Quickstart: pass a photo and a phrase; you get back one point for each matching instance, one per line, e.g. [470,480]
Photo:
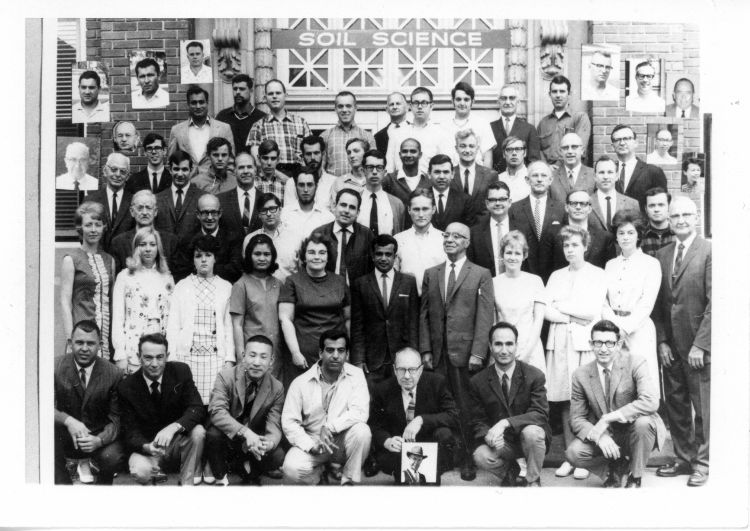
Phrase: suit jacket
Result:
[483,177]
[633,393]
[695,111]
[228,401]
[122,247]
[180,402]
[231,215]
[184,225]
[561,184]
[378,333]
[358,245]
[434,403]
[601,248]
[409,478]
[381,139]
[526,404]
[521,216]
[521,129]
[96,405]
[457,209]
[644,177]
[600,218]
[228,259]
[178,137]
[464,318]
[396,186]
[682,313]
[142,181]
[480,248]
[123,221]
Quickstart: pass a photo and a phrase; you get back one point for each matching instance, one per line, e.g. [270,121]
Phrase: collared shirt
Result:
[406,399]
[389,276]
[87,370]
[110,193]
[215,232]
[654,239]
[198,136]
[504,225]
[322,193]
[509,372]
[301,223]
[158,100]
[437,198]
[411,182]
[150,174]
[149,381]
[337,230]
[519,188]
[433,138]
[459,264]
[687,243]
[462,175]
[576,172]
[678,112]
[629,168]
[287,132]
[542,206]
[552,128]
[482,130]
[651,102]
[67,182]
[602,198]
[336,138]
[184,192]
[305,412]
[385,212]
[655,158]
[100,113]
[204,75]
[418,252]
[600,370]
[270,186]
[210,181]
[241,200]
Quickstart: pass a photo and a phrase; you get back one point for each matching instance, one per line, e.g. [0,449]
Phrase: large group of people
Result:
[264,300]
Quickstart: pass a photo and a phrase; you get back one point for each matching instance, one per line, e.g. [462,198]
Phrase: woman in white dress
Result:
[141,298]
[633,280]
[575,296]
[519,299]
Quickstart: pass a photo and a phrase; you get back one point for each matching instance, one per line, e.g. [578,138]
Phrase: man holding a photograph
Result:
[90,109]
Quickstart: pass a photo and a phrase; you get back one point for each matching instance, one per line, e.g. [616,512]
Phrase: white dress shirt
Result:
[459,264]
[385,212]
[418,252]
[198,136]
[241,199]
[87,370]
[509,372]
[110,195]
[600,370]
[158,100]
[184,193]
[517,184]
[301,223]
[322,193]
[405,398]
[687,243]
[629,167]
[482,130]
[472,174]
[433,138]
[504,226]
[542,206]
[602,198]
[204,75]
[389,276]
[149,381]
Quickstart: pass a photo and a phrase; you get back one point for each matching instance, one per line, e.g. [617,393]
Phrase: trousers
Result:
[183,453]
[530,444]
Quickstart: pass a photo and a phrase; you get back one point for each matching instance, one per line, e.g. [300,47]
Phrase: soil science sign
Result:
[439,38]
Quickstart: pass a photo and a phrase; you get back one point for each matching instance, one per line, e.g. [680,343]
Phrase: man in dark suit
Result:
[571,174]
[605,200]
[385,312]
[469,177]
[155,176]
[345,232]
[682,316]
[509,412]
[396,106]
[635,177]
[613,414]
[114,197]
[536,214]
[457,310]
[177,204]
[245,411]
[239,206]
[683,106]
[452,206]
[510,124]
[412,406]
[408,178]
[87,414]
[484,249]
[162,415]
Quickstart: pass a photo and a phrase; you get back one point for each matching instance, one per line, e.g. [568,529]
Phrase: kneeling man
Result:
[613,411]
[325,416]
[509,412]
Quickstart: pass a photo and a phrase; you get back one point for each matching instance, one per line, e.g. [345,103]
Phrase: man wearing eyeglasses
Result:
[660,155]
[644,99]
[510,124]
[455,318]
[571,174]
[613,411]
[634,177]
[514,152]
[155,176]
[682,316]
[114,198]
[240,204]
[484,249]
[77,163]
[598,86]
[381,212]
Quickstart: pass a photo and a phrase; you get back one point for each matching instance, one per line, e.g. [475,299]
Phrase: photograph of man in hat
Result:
[412,476]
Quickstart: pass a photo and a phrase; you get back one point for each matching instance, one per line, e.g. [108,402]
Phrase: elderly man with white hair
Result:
[114,197]
[77,164]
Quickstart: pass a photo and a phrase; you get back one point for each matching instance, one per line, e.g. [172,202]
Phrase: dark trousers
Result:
[107,459]
[225,454]
[390,462]
[687,389]
[458,381]
[380,374]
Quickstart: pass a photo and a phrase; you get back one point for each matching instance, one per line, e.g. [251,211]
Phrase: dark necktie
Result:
[114,210]
[441,205]
[678,260]
[466,182]
[504,387]
[83,377]
[451,281]
[250,392]
[609,212]
[342,256]
[155,394]
[683,113]
[620,186]
[178,205]
[246,213]
[77,189]
[410,408]
[374,214]
[606,388]
[385,291]
[155,184]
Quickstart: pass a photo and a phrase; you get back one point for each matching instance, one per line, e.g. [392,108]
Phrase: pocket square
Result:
[555,223]
[403,295]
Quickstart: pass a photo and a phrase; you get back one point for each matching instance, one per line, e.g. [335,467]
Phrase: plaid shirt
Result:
[654,239]
[337,163]
[287,132]
[272,186]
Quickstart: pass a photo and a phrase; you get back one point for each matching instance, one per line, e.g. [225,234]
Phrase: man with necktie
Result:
[484,249]
[634,177]
[155,176]
[605,200]
[469,176]
[510,124]
[381,212]
[115,198]
[240,204]
[571,174]
[452,205]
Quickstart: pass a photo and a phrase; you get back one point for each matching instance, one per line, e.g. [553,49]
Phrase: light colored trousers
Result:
[532,447]
[185,450]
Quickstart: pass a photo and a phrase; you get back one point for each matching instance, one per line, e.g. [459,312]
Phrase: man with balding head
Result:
[571,174]
[114,197]
[77,164]
[683,97]
[396,107]
[510,124]
[455,318]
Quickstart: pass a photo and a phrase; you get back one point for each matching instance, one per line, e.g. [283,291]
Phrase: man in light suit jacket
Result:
[87,413]
[571,174]
[606,176]
[457,310]
[381,324]
[613,414]
[469,177]
[510,124]
[682,316]
[245,412]
[179,135]
[116,173]
[183,221]
[634,177]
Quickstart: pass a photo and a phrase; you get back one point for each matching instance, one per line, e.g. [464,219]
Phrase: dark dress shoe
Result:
[673,469]
[697,479]
[468,472]
[371,467]
[511,476]
[275,474]
[633,483]
[536,483]
[614,478]
[335,473]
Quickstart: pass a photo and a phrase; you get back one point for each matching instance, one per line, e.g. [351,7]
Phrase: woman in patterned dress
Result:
[87,276]
[141,297]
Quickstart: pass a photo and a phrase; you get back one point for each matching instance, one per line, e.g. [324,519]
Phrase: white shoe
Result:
[565,470]
[84,471]
[197,480]
[522,464]
[223,482]
[580,473]
[208,475]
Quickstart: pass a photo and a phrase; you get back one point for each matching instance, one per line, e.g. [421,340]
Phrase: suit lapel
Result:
[394,288]
[617,373]
[74,379]
[689,255]
[260,396]
[240,384]
[515,384]
[494,383]
[441,280]
[122,209]
[461,277]
[372,281]
[640,169]
[530,216]
[597,211]
[596,387]
[93,381]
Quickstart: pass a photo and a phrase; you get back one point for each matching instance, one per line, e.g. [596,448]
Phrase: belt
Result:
[621,313]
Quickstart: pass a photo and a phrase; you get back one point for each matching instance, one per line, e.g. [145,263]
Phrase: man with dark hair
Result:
[462,97]
[215,173]
[385,312]
[89,109]
[335,138]
[155,176]
[245,410]
[452,205]
[510,124]
[469,176]
[606,201]
[240,204]
[613,414]
[509,412]
[325,416]
[658,234]
[408,178]
[683,98]
[114,197]
[284,128]
[177,204]
[242,115]
[196,70]
[484,249]
[396,107]
[642,97]
[193,134]
[306,212]
[381,212]
[313,147]
[660,155]
[561,121]
[162,415]
[268,179]
[634,176]
[516,173]
[87,413]
[149,95]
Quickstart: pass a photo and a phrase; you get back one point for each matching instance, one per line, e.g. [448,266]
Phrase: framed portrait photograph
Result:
[644,86]
[76,164]
[90,92]
[661,144]
[682,95]
[148,79]
[195,62]
[600,72]
[419,462]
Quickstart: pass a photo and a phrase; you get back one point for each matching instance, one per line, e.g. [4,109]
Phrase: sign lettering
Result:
[439,38]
